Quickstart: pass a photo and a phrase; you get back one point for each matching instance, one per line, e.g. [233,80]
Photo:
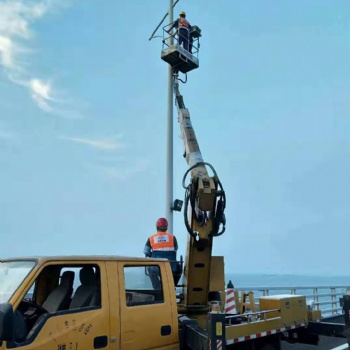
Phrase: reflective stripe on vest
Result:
[183,23]
[162,241]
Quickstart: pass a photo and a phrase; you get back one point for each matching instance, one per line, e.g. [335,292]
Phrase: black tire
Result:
[267,347]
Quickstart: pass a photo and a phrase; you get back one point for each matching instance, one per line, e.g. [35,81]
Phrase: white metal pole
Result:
[169,166]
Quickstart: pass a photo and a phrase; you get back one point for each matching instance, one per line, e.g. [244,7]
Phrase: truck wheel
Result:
[272,342]
[267,347]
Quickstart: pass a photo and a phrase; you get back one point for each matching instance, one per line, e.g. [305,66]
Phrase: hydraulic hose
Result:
[186,201]
[196,166]
[218,211]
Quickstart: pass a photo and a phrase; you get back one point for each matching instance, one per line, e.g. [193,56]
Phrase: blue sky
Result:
[83,101]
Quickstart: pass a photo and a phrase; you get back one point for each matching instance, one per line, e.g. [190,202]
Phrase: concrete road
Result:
[326,343]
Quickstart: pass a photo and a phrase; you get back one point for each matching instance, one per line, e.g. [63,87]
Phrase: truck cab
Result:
[71,303]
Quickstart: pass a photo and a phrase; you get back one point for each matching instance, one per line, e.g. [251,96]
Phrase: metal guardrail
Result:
[175,36]
[250,315]
[324,298]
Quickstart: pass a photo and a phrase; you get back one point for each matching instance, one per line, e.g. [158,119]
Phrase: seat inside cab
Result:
[57,289]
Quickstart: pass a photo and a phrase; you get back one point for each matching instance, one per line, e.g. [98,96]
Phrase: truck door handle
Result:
[100,342]
[165,330]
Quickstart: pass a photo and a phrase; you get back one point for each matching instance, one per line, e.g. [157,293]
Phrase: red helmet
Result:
[162,222]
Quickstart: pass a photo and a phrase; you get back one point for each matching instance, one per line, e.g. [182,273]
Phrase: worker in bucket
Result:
[161,245]
[184,28]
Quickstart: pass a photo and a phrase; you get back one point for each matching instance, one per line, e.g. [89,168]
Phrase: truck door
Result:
[148,311]
[69,309]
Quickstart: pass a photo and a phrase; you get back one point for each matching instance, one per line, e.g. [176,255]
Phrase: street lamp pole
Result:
[170,136]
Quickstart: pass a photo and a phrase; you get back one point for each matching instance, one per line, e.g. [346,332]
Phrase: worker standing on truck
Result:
[160,245]
[184,28]
[160,241]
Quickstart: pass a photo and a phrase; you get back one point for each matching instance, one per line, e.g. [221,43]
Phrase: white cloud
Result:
[6,51]
[125,172]
[16,17]
[105,144]
[41,93]
[112,164]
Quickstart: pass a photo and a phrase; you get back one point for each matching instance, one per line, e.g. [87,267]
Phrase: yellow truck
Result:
[64,303]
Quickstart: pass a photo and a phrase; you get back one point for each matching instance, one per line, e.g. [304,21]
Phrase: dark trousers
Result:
[191,44]
[184,39]
[154,277]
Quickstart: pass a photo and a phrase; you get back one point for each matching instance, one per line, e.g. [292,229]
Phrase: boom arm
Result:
[203,210]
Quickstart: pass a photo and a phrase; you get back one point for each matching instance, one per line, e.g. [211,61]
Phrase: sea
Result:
[321,292]
[285,280]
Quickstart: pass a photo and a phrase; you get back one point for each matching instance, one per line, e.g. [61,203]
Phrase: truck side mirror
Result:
[6,322]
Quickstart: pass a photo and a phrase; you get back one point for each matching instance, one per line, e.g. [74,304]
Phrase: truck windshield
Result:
[12,274]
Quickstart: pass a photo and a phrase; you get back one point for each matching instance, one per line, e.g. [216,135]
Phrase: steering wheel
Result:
[26,305]
[27,314]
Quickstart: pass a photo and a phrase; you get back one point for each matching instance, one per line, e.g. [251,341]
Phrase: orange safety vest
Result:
[183,23]
[162,241]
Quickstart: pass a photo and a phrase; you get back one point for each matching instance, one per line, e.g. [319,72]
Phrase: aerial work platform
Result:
[179,56]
